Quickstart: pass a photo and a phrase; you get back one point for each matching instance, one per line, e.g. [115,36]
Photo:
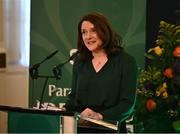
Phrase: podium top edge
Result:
[36,111]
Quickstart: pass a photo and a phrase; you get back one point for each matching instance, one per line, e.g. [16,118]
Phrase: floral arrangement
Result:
[158,104]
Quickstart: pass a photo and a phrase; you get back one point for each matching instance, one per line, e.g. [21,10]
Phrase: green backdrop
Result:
[54,27]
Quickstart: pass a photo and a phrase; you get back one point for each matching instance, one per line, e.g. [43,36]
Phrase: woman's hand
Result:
[91,114]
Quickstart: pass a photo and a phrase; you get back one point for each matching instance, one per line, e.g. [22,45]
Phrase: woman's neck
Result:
[99,54]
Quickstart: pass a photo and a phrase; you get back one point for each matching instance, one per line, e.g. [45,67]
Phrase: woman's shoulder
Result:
[124,56]
[125,59]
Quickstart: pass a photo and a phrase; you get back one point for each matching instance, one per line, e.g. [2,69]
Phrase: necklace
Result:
[99,63]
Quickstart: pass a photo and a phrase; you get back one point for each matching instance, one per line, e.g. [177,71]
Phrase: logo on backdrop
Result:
[54,91]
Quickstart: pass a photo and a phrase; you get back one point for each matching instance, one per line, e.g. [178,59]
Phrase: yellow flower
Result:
[164,85]
[158,50]
[158,93]
[165,95]
[163,88]
[151,49]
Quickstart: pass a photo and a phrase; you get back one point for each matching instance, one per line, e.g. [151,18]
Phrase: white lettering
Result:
[45,105]
[61,105]
[67,91]
[52,88]
[59,92]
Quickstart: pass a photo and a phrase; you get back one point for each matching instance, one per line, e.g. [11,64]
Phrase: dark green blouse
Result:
[111,91]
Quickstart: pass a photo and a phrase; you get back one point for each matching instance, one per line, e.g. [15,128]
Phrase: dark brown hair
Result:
[112,42]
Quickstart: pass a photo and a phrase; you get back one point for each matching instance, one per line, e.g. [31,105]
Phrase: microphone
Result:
[73,55]
[57,68]
[34,69]
[51,55]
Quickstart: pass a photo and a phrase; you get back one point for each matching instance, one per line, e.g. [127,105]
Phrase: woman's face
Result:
[90,36]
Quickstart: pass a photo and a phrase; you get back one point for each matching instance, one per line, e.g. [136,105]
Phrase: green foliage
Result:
[158,103]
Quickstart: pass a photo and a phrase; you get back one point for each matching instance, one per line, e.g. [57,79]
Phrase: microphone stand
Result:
[34,69]
[57,69]
[44,86]
[35,74]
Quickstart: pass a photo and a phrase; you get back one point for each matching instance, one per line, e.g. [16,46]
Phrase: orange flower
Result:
[150,105]
[168,72]
[176,52]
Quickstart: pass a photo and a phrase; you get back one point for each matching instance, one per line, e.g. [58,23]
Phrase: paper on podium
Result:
[54,108]
[100,122]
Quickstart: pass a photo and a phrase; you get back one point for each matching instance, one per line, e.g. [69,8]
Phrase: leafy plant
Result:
[158,105]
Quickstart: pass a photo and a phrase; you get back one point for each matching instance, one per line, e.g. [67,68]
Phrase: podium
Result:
[28,120]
